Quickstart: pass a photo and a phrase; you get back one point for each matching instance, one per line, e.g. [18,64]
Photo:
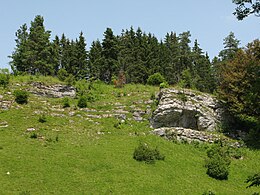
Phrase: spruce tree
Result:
[95,59]
[39,48]
[81,66]
[230,47]
[19,57]
[110,54]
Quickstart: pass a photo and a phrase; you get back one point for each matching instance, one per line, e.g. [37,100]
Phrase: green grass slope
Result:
[78,152]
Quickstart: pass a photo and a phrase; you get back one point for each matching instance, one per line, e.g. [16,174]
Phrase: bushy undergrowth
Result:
[147,154]
[155,79]
[82,102]
[21,97]
[4,77]
[218,162]
[65,102]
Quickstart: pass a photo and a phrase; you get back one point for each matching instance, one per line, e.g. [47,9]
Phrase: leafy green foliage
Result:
[4,77]
[145,153]
[254,180]
[239,86]
[218,162]
[246,7]
[21,97]
[65,102]
[62,74]
[155,79]
[82,102]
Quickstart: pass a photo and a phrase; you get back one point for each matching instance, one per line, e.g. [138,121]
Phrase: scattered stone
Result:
[137,117]
[189,135]
[71,113]
[57,115]
[5,104]
[93,116]
[3,124]
[1,97]
[31,129]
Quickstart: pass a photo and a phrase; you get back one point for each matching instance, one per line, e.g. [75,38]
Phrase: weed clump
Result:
[4,77]
[147,154]
[34,136]
[66,102]
[42,119]
[21,97]
[82,103]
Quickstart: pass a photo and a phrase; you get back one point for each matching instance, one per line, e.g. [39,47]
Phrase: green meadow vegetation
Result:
[51,146]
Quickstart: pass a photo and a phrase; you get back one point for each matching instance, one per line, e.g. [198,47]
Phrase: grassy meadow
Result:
[90,150]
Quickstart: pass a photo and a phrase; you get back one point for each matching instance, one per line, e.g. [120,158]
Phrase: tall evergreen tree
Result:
[19,56]
[81,66]
[171,68]
[185,52]
[110,54]
[39,48]
[95,59]
[230,47]
[56,55]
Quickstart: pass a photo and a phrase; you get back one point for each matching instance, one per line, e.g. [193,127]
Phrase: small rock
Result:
[30,129]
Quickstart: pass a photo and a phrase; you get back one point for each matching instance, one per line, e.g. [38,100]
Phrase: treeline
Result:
[137,54]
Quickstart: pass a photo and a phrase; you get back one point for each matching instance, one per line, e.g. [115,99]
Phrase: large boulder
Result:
[187,109]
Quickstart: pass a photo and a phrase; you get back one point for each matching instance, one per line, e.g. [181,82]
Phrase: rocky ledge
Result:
[54,91]
[189,135]
[187,109]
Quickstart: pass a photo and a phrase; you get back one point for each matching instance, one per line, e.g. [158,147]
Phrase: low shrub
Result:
[218,162]
[4,77]
[66,102]
[164,85]
[254,180]
[21,97]
[42,119]
[82,103]
[144,153]
[218,167]
[34,136]
[155,79]
[62,74]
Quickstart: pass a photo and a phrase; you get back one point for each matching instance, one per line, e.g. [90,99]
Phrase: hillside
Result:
[90,150]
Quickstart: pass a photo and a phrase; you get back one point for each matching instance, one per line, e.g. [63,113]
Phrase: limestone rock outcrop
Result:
[187,109]
[54,91]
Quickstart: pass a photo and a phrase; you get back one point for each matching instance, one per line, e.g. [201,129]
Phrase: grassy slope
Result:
[91,158]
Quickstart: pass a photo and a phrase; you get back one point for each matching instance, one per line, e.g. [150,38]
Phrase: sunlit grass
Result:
[76,154]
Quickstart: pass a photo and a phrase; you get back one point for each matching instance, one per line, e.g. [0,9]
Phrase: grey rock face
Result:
[55,91]
[184,108]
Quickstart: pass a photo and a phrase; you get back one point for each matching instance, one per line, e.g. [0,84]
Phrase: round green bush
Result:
[155,79]
[66,102]
[21,97]
[82,103]
[144,153]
